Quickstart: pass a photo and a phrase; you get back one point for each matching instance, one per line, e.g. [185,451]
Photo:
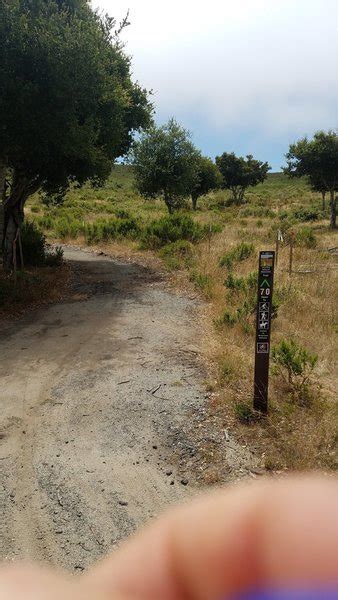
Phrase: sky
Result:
[244,76]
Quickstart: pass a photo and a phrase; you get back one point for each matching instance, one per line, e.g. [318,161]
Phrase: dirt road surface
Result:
[96,394]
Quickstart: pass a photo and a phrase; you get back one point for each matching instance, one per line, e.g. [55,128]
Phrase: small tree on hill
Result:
[165,162]
[208,178]
[239,173]
[318,160]
[68,106]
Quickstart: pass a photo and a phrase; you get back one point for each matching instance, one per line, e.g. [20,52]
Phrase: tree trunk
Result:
[169,203]
[323,201]
[194,201]
[332,210]
[2,198]
[21,189]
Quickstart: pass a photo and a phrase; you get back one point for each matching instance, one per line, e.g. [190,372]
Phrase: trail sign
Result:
[263,326]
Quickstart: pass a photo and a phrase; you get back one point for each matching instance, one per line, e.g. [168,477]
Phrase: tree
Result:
[165,162]
[318,186]
[208,178]
[317,159]
[68,106]
[239,173]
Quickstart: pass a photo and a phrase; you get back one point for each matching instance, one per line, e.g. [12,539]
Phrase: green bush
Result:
[245,413]
[227,318]
[235,283]
[306,213]
[203,282]
[33,245]
[306,238]
[171,229]
[177,252]
[36,252]
[121,213]
[240,252]
[295,364]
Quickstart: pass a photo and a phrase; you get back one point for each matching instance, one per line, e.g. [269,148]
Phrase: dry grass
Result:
[292,437]
[35,287]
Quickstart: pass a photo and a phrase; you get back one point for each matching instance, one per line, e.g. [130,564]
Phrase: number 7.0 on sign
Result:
[263,324]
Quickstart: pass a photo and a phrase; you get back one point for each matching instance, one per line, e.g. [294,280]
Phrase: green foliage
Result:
[318,160]
[208,178]
[36,252]
[78,105]
[176,253]
[295,364]
[171,229]
[235,283]
[307,213]
[227,318]
[33,245]
[203,282]
[245,413]
[241,252]
[110,229]
[305,237]
[165,162]
[239,173]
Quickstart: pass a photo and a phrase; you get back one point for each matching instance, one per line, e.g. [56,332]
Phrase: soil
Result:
[104,416]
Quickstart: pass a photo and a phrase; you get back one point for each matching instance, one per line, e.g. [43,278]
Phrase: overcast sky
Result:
[248,76]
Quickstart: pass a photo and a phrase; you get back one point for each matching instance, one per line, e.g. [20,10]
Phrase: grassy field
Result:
[299,432]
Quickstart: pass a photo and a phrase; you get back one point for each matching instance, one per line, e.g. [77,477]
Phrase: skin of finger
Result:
[271,533]
[28,582]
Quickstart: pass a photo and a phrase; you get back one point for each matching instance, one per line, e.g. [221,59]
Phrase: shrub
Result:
[128,227]
[171,229]
[203,282]
[121,213]
[306,238]
[33,245]
[227,318]
[295,364]
[241,252]
[305,213]
[245,413]
[235,283]
[176,252]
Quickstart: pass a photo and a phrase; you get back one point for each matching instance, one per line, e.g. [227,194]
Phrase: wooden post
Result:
[263,326]
[277,247]
[292,241]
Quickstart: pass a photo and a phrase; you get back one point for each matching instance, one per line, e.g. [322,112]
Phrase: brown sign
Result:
[263,326]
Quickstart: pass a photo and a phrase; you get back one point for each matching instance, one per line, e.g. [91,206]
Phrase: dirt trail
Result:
[93,392]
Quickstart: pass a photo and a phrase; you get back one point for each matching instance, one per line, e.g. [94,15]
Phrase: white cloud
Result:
[268,65]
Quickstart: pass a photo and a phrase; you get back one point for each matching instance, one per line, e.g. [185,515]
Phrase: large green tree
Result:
[318,160]
[165,162]
[68,106]
[208,178]
[239,173]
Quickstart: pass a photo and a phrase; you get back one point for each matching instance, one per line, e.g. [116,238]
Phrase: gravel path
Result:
[94,392]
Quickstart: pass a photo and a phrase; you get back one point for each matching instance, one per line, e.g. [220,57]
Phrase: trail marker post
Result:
[263,326]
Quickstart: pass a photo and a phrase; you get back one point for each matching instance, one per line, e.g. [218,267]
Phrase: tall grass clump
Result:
[170,229]
[240,252]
